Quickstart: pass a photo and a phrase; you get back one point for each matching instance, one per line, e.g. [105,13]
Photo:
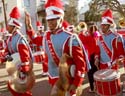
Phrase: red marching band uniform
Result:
[17,43]
[39,54]
[89,40]
[57,44]
[110,44]
[111,53]
[77,60]
[2,47]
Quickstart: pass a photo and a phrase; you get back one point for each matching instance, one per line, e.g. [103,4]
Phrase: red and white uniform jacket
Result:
[18,43]
[2,51]
[111,48]
[57,44]
[90,43]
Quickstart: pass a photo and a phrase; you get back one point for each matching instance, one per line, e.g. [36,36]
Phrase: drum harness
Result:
[109,52]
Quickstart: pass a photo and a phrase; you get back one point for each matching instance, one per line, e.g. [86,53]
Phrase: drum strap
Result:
[107,50]
[51,48]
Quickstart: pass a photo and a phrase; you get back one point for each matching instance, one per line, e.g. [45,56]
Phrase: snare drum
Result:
[107,82]
[38,56]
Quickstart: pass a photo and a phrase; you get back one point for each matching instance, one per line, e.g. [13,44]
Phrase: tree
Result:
[97,6]
[114,5]
[71,12]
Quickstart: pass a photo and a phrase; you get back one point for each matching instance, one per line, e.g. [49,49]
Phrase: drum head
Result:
[12,66]
[106,75]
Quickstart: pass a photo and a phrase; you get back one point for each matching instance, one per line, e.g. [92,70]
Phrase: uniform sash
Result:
[107,50]
[11,48]
[51,48]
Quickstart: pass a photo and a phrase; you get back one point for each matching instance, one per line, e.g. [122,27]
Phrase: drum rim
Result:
[97,78]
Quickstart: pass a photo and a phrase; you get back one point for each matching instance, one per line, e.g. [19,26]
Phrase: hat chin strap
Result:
[107,31]
[59,25]
[14,29]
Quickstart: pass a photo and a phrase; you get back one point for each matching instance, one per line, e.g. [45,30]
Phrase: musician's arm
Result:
[34,38]
[30,31]
[119,52]
[5,56]
[25,56]
[79,61]
[97,56]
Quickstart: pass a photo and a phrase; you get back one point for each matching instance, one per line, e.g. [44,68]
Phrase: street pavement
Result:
[42,87]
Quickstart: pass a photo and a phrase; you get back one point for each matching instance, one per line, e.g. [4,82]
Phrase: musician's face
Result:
[105,28]
[53,24]
[10,29]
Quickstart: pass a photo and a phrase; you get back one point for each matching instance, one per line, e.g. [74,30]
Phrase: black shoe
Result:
[44,74]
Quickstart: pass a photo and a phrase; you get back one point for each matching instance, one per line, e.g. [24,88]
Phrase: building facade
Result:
[34,7]
[28,5]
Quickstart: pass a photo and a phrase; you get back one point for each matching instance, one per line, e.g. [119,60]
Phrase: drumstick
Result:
[97,63]
[117,61]
[121,60]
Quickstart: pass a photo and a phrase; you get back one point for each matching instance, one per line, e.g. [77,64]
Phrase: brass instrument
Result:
[122,22]
[62,84]
[66,71]
[80,27]
[16,83]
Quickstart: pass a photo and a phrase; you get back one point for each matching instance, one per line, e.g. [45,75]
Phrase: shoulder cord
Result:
[43,42]
[81,45]
[26,44]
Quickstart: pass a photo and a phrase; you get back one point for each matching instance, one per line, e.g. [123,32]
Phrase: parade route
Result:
[62,48]
[41,87]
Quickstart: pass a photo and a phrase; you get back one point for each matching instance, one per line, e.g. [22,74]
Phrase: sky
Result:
[84,2]
[83,5]
[122,1]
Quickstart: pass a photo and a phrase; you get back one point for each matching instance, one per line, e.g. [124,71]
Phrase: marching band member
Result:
[44,59]
[56,41]
[110,44]
[88,39]
[67,26]
[18,43]
[2,46]
[40,28]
